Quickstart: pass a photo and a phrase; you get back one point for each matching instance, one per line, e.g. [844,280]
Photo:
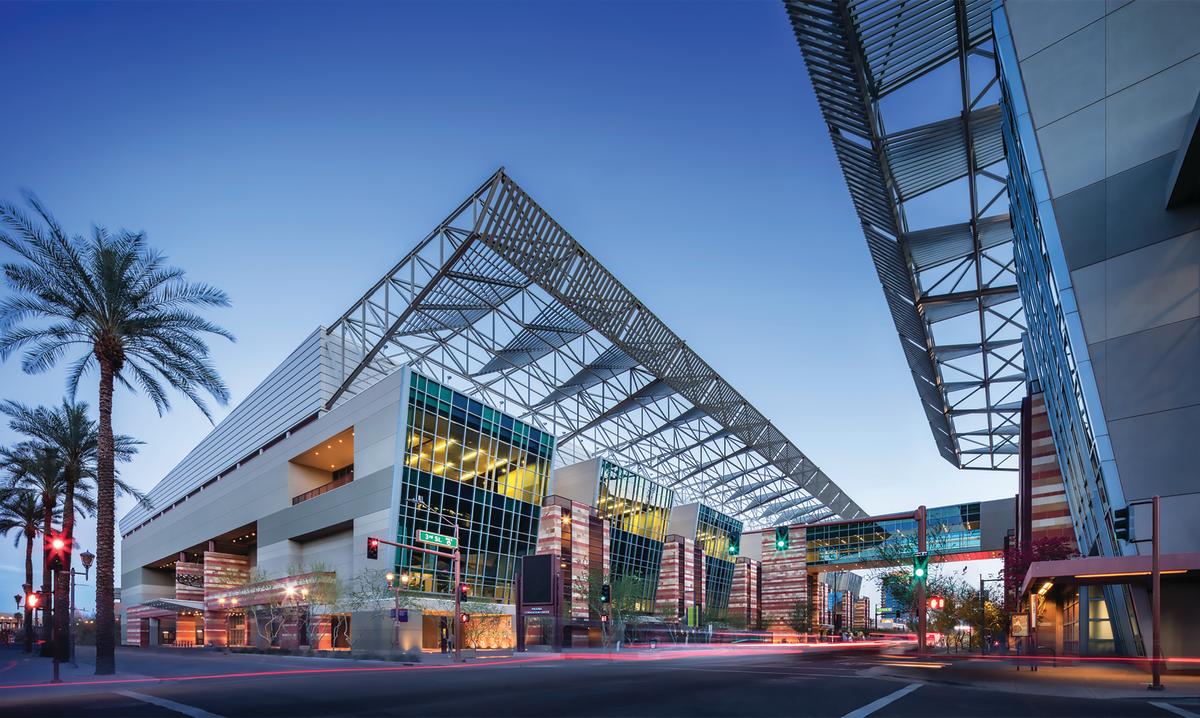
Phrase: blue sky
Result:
[291,153]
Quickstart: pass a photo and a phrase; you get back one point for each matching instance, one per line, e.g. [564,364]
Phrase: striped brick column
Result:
[572,531]
[784,578]
[743,596]
[189,581]
[1051,516]
[677,583]
[221,571]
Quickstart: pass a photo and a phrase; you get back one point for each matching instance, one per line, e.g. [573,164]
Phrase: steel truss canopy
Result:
[951,288]
[501,303]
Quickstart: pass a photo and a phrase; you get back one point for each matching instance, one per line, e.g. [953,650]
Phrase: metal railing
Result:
[323,488]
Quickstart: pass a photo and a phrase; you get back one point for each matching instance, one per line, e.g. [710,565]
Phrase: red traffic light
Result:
[464,617]
[937,602]
[372,547]
[57,543]
[464,589]
[32,600]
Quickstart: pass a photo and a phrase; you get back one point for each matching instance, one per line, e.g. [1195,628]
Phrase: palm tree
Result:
[74,438]
[21,511]
[132,316]
[38,468]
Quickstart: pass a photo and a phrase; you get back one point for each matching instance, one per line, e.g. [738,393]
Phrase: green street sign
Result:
[437,539]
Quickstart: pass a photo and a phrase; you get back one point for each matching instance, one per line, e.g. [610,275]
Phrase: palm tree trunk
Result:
[106,658]
[47,530]
[29,581]
[62,587]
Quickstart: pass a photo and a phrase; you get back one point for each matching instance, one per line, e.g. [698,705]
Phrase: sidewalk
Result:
[1085,680]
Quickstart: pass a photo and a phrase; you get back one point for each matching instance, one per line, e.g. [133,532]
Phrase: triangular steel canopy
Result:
[951,289]
[501,303]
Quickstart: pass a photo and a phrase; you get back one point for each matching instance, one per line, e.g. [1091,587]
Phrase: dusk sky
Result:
[291,153]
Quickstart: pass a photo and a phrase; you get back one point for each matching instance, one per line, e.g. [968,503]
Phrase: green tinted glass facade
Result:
[481,468]
[716,534]
[948,529]
[639,512]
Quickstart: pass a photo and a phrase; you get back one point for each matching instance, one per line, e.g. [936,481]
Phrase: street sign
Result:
[537,610]
[400,615]
[437,539]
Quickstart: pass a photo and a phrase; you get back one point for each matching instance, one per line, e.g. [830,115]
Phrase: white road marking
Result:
[190,711]
[1174,709]
[728,670]
[875,705]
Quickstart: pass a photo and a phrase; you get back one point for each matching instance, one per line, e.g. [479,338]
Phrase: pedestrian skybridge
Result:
[963,532]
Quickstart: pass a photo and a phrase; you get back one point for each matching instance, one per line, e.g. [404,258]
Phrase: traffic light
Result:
[781,538]
[605,593]
[733,546]
[33,599]
[464,617]
[1123,524]
[937,603]
[58,552]
[921,567]
[464,590]
[372,547]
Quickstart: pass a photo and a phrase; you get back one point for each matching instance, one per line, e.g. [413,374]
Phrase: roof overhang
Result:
[1105,570]
[164,607]
[950,288]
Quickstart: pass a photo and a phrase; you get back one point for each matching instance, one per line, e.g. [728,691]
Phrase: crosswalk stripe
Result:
[190,711]
[875,705]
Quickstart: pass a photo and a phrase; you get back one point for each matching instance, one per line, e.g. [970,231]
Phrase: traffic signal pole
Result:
[1156,598]
[454,559]
[921,607]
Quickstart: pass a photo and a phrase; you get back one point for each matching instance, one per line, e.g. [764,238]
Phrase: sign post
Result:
[454,557]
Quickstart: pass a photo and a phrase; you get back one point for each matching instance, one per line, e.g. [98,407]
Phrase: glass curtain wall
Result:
[718,535]
[476,467]
[639,512]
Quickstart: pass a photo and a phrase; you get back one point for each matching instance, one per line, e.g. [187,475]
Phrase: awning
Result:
[164,607]
[1100,570]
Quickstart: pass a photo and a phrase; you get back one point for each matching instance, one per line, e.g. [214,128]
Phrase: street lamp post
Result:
[983,613]
[25,623]
[86,559]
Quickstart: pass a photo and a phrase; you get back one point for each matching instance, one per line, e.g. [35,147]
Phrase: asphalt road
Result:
[739,685]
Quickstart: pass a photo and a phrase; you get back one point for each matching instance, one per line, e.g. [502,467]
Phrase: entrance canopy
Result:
[1104,570]
[160,607]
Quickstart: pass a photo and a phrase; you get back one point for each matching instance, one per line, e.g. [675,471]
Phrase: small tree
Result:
[799,617]
[483,630]
[269,613]
[1016,563]
[366,592]
[627,602]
